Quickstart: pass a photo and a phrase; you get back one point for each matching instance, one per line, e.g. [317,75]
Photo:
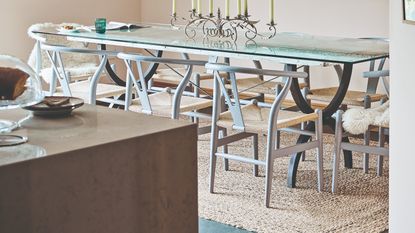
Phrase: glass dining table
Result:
[290,48]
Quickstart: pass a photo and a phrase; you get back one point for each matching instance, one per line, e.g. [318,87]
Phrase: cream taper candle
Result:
[193,4]
[199,7]
[227,8]
[210,7]
[239,7]
[173,10]
[271,11]
[246,7]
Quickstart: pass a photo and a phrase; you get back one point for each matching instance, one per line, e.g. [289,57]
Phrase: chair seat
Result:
[81,90]
[258,86]
[81,72]
[171,77]
[162,103]
[256,118]
[355,98]
[357,120]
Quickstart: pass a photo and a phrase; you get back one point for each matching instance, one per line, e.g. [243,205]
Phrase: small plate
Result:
[46,108]
[75,28]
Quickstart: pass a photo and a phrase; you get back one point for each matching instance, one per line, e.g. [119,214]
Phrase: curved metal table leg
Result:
[327,113]
[148,74]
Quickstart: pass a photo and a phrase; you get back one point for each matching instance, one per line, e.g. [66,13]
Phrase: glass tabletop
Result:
[284,45]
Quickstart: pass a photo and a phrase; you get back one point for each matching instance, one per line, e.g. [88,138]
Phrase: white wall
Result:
[351,18]
[17,15]
[402,162]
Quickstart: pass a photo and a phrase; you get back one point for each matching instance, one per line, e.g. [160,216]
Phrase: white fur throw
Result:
[357,121]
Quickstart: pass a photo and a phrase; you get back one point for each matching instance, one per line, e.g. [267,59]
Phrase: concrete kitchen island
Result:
[100,170]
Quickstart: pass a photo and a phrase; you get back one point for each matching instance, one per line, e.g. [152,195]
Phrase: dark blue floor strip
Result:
[208,226]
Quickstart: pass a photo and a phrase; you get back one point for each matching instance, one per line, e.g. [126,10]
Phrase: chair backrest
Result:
[55,54]
[382,74]
[372,83]
[70,60]
[232,98]
[140,84]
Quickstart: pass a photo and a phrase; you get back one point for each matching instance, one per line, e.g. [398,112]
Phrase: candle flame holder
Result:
[223,27]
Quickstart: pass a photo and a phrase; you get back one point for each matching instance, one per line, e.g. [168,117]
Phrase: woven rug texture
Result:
[361,204]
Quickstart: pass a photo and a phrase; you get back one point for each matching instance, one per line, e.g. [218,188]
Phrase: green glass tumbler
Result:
[100,25]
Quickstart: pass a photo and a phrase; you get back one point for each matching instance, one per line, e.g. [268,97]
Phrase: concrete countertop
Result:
[88,126]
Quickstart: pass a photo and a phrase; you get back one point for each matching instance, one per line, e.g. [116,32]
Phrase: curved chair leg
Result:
[214,135]
[319,136]
[223,132]
[213,150]
[367,104]
[268,178]
[269,167]
[255,152]
[337,150]
[379,171]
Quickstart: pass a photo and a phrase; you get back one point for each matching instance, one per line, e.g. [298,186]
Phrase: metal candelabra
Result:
[223,27]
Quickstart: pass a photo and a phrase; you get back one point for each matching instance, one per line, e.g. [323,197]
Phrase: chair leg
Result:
[337,150]
[213,149]
[223,132]
[195,120]
[214,135]
[268,178]
[277,139]
[379,171]
[366,155]
[304,152]
[255,152]
[319,135]
[305,92]
[269,167]
[367,104]
[196,94]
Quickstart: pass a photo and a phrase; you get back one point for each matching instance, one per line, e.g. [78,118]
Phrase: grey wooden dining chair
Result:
[90,90]
[172,76]
[169,102]
[354,98]
[172,101]
[354,122]
[251,120]
[78,66]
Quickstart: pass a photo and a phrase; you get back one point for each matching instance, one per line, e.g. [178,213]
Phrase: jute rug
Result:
[360,206]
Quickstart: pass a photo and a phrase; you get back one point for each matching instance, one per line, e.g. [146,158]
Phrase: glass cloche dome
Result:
[20,86]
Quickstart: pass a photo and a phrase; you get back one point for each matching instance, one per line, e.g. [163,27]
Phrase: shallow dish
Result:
[48,108]
[68,28]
